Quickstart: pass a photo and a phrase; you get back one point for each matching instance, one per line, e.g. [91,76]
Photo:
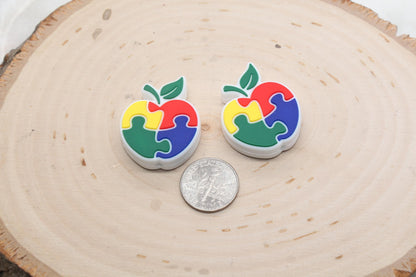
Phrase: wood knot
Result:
[205,127]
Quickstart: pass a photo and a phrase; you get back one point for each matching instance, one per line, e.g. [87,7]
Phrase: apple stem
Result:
[153,92]
[236,89]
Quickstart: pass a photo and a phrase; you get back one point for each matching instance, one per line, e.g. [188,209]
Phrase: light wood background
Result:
[340,203]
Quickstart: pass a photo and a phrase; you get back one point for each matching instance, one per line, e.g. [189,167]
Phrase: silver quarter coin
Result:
[209,184]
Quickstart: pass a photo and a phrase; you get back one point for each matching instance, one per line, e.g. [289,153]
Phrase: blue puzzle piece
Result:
[286,112]
[180,137]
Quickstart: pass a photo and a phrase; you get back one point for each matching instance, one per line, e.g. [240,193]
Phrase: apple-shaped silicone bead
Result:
[162,131]
[259,119]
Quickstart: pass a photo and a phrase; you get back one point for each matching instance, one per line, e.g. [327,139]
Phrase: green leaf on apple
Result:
[172,90]
[153,92]
[250,78]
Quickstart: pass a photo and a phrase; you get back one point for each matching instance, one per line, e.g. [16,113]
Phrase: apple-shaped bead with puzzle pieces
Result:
[163,130]
[259,119]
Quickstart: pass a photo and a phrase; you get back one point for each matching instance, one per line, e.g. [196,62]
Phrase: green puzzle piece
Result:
[257,134]
[142,140]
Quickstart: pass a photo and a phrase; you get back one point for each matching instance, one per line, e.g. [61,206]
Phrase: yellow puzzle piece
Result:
[140,108]
[233,109]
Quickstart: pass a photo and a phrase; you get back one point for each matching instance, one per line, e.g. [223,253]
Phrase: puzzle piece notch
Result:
[180,136]
[286,112]
[172,109]
[140,108]
[257,133]
[142,140]
[233,109]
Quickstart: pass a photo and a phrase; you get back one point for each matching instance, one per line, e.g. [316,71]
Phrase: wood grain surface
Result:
[340,203]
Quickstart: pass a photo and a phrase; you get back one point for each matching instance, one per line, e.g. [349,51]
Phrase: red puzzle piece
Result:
[172,109]
[262,94]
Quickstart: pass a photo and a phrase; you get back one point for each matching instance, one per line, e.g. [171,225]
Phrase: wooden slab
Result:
[340,203]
